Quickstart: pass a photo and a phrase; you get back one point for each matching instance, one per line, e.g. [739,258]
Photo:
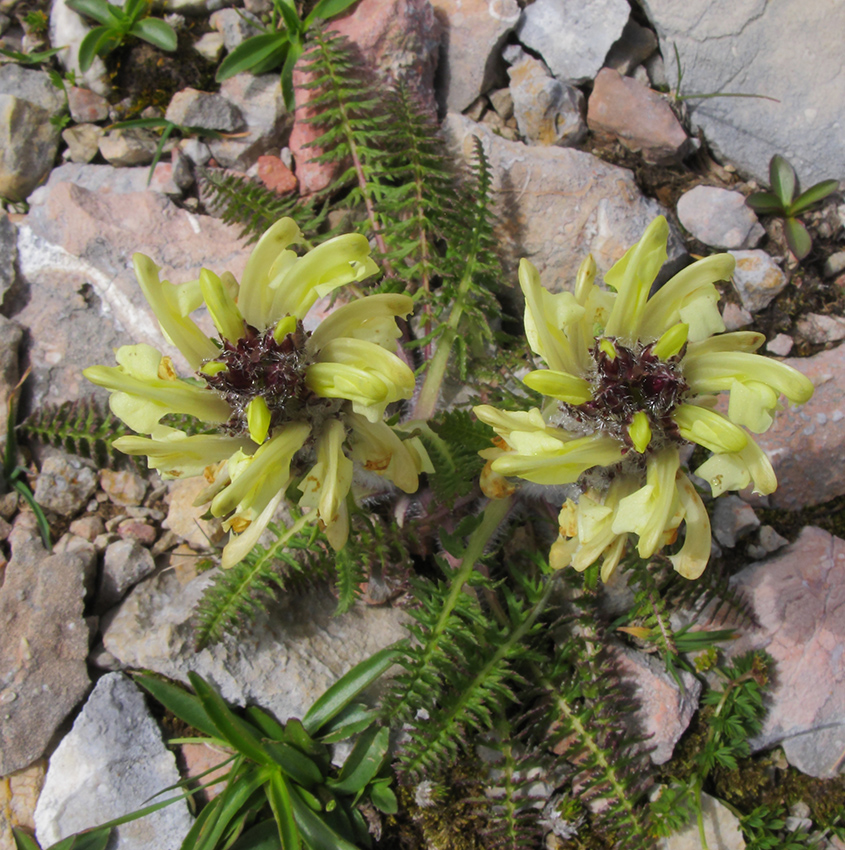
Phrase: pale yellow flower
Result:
[285,405]
[631,380]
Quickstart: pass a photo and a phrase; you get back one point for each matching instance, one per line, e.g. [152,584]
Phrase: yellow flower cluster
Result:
[631,380]
[285,404]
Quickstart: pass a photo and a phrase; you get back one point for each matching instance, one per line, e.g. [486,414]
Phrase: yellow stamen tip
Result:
[213,367]
[258,419]
[640,431]
[672,341]
[286,325]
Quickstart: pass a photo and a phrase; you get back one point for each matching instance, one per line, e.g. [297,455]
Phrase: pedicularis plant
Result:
[387,447]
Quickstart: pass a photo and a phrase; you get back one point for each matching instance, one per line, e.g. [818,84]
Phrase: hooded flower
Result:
[630,380]
[282,404]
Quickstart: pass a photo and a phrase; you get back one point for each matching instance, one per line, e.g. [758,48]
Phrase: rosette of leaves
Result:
[787,201]
[280,45]
[116,25]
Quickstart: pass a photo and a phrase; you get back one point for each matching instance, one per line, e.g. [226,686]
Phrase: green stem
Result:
[699,815]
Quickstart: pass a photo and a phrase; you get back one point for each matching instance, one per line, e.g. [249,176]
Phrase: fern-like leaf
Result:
[82,428]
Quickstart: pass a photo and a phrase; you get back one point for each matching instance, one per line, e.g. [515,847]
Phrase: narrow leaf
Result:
[353,720]
[813,195]
[24,841]
[264,836]
[383,797]
[249,53]
[267,724]
[96,9]
[345,689]
[764,203]
[797,238]
[327,9]
[317,834]
[97,41]
[782,176]
[157,32]
[364,762]
[184,705]
[278,794]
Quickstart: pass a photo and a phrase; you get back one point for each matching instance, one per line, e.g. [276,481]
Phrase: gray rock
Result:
[819,328]
[73,544]
[798,598]
[573,37]
[721,829]
[733,519]
[292,655]
[111,763]
[640,118]
[744,47]
[32,86]
[475,31]
[129,146]
[834,264]
[125,563]
[633,47]
[556,205]
[11,336]
[780,345]
[8,254]
[235,25]
[547,112]
[83,141]
[502,101]
[663,709]
[719,218]
[192,108]
[757,278]
[770,540]
[43,675]
[123,487]
[65,483]
[267,122]
[28,146]
[103,179]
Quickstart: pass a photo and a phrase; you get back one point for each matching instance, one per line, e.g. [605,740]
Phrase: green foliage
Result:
[453,442]
[116,25]
[281,45]
[253,207]
[782,201]
[36,21]
[37,57]
[81,428]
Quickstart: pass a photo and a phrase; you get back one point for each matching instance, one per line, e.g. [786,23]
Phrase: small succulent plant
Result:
[782,201]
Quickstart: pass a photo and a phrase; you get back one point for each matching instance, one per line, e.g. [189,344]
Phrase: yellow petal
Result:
[379,449]
[560,385]
[179,329]
[258,419]
[224,311]
[692,558]
[372,318]
[640,431]
[709,429]
[672,341]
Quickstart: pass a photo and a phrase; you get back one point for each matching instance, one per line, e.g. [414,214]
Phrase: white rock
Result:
[719,218]
[735,317]
[289,657]
[744,47]
[819,328]
[757,278]
[108,765]
[573,37]
[780,345]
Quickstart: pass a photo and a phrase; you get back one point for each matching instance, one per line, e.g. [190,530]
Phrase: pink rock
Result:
[640,118]
[663,711]
[735,316]
[136,529]
[803,440]
[399,40]
[198,758]
[819,328]
[780,345]
[87,527]
[85,106]
[798,598]
[275,175]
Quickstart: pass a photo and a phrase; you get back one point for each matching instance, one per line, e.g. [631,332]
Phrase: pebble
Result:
[733,519]
[133,529]
[735,317]
[123,486]
[83,141]
[24,166]
[819,328]
[235,25]
[721,830]
[193,108]
[780,345]
[275,175]
[719,218]
[210,46]
[86,107]
[547,111]
[757,279]
[638,117]
[87,527]
[126,562]
[65,483]
[127,147]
